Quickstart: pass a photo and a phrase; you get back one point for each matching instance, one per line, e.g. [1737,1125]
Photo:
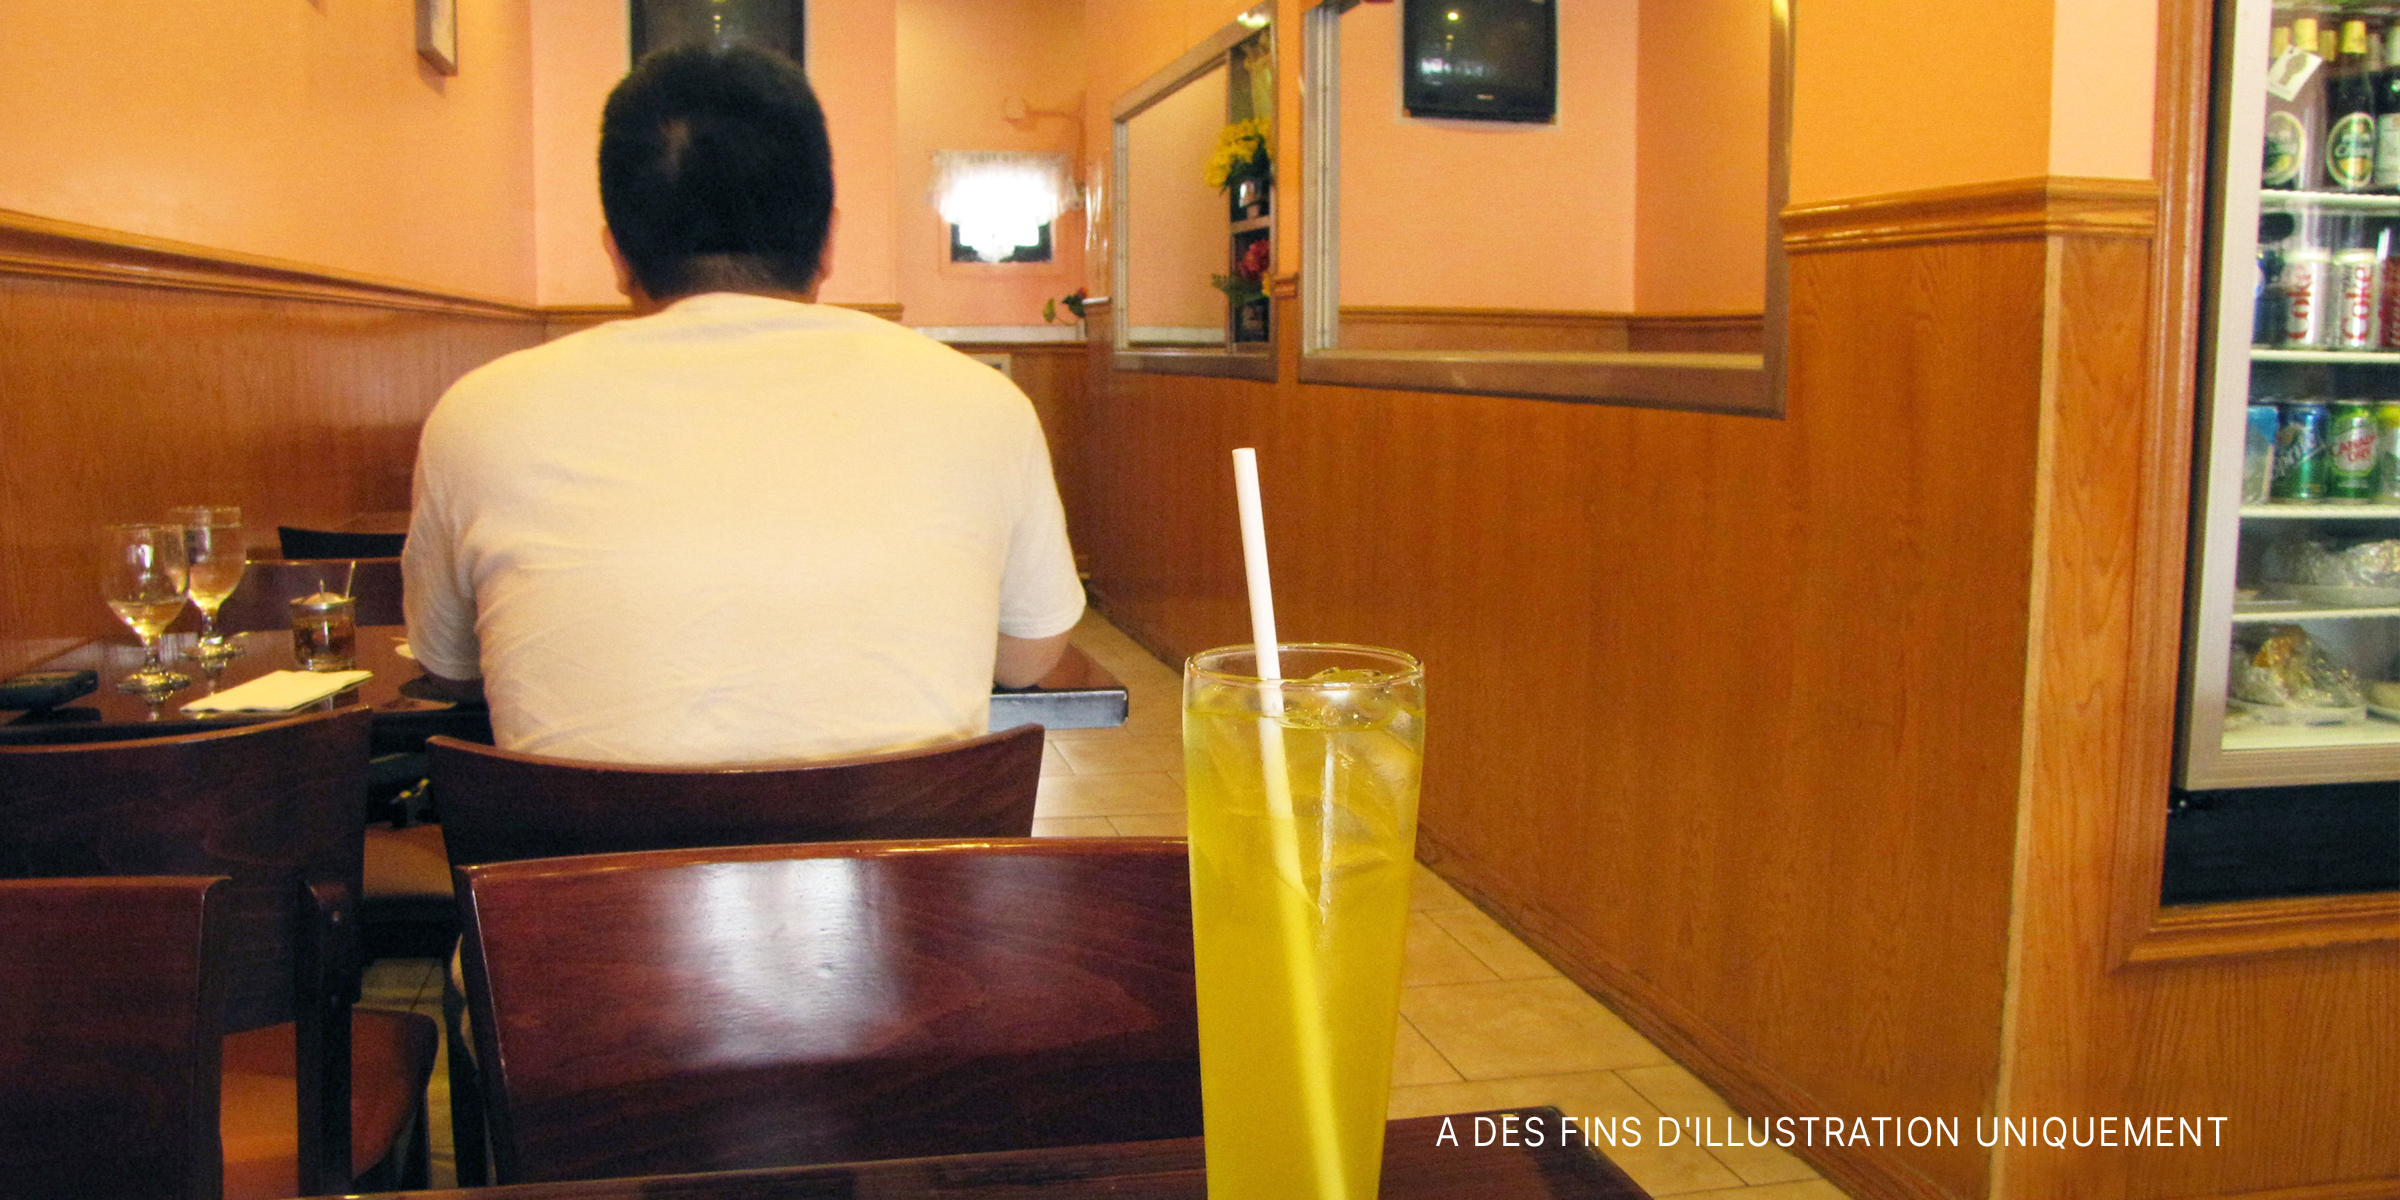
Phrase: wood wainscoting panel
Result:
[121,398]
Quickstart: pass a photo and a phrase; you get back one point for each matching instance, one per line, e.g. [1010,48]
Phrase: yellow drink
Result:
[1299,911]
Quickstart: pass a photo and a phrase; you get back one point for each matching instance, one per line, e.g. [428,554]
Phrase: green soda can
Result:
[2387,452]
[2351,442]
[2300,451]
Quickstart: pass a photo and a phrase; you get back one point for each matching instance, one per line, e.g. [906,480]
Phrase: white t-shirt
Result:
[737,530]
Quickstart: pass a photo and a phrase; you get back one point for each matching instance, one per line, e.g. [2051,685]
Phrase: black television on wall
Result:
[1483,60]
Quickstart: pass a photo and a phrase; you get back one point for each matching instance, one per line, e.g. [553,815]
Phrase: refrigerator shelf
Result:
[2250,616]
[2371,732]
[2361,357]
[2381,202]
[2321,512]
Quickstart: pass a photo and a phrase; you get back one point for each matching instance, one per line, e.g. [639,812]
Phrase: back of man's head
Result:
[716,173]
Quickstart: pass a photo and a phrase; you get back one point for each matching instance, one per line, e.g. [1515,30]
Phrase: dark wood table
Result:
[1415,1167]
[1077,694]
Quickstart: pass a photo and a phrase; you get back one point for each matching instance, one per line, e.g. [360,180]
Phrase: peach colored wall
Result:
[852,60]
[580,50]
[1491,214]
[2102,68]
[1176,227]
[1700,199]
[1898,95]
[960,62]
[299,131]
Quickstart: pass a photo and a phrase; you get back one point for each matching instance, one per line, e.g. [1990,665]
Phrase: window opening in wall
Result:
[999,204]
[1038,252]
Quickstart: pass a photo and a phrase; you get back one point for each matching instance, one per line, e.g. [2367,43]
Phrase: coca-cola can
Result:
[2358,317]
[2305,321]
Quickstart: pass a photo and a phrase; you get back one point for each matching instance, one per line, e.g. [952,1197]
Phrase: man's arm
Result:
[1023,661]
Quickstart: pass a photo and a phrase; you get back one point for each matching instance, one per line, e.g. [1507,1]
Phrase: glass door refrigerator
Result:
[2290,710]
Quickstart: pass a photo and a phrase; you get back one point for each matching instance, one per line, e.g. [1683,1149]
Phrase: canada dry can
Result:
[2300,451]
[2387,453]
[2352,441]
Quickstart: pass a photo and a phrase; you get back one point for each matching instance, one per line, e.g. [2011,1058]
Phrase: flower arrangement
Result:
[1073,302]
[1249,279]
[1241,153]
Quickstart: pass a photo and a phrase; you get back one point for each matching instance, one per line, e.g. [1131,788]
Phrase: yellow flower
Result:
[1241,151]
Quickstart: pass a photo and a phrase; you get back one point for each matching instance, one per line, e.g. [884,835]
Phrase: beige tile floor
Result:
[1484,1021]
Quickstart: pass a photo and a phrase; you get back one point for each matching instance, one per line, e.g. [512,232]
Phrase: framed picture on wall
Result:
[437,34]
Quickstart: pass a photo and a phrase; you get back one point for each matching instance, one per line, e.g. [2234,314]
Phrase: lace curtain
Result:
[1000,199]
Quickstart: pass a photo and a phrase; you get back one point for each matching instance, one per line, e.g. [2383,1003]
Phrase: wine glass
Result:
[143,577]
[213,550]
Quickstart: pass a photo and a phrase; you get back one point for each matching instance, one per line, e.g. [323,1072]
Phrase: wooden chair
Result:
[109,1038]
[497,806]
[278,808]
[297,542]
[263,602]
[713,1009]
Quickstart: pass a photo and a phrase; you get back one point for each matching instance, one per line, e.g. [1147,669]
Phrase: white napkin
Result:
[279,691]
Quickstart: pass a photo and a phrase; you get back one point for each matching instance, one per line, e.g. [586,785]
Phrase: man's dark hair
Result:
[716,172]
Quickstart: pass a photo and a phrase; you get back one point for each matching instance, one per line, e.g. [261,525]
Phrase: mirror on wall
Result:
[1618,244]
[1193,216]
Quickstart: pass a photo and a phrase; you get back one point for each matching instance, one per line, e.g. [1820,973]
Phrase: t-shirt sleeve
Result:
[1040,594]
[437,590]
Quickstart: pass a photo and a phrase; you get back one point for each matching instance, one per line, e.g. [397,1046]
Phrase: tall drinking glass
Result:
[213,547]
[1303,795]
[142,576]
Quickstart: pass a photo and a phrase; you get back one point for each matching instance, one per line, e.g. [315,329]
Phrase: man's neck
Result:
[644,304]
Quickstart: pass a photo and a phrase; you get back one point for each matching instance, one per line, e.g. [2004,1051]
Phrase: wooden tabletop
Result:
[1077,694]
[1416,1166]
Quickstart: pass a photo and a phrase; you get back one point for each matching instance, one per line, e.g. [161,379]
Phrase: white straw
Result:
[1308,1004]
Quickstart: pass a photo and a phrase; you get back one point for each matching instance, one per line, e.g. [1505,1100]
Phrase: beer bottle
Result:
[2350,114]
[2295,119]
[2387,114]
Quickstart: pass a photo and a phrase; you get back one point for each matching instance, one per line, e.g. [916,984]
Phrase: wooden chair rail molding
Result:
[2038,207]
[32,245]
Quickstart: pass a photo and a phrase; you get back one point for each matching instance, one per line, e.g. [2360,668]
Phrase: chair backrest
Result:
[108,1038]
[269,585]
[497,805]
[703,1010]
[277,807]
[297,542]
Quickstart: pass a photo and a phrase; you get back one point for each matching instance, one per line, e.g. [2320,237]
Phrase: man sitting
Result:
[741,525]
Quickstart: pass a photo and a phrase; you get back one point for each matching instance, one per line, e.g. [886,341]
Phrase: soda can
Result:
[2306,271]
[2351,443]
[2358,316]
[2300,451]
[2258,450]
[2387,452]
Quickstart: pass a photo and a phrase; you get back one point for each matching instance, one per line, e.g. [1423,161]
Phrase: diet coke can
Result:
[2358,317]
[2306,271]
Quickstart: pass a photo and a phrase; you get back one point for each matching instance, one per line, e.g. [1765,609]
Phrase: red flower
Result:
[1254,261]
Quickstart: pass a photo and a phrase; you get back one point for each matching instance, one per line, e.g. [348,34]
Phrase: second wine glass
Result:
[213,546]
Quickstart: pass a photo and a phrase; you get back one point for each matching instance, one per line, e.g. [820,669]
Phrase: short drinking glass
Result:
[142,576]
[1303,795]
[212,540]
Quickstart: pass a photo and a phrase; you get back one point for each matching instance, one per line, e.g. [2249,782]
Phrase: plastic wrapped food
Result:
[2314,560]
[2280,671]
